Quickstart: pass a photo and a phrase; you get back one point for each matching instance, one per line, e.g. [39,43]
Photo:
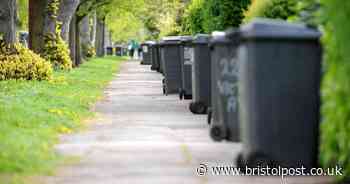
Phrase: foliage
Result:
[33,113]
[89,50]
[193,18]
[280,9]
[222,14]
[124,25]
[206,16]
[335,147]
[22,6]
[309,11]
[56,50]
[18,62]
[163,17]
[256,9]
[275,9]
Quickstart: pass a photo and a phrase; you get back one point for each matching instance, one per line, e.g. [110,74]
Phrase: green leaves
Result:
[213,15]
[335,140]
[275,9]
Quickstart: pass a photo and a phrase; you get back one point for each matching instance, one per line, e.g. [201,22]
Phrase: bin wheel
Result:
[241,163]
[217,134]
[256,159]
[210,116]
[198,108]
[181,94]
[164,92]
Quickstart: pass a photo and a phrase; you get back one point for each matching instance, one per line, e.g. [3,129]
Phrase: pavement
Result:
[144,137]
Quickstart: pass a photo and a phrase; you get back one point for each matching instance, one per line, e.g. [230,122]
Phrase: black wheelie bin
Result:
[155,56]
[223,113]
[279,94]
[201,73]
[186,52]
[171,64]
[146,52]
[118,50]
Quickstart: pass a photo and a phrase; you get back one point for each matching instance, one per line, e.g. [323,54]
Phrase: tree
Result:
[8,21]
[100,36]
[22,7]
[39,24]
[66,12]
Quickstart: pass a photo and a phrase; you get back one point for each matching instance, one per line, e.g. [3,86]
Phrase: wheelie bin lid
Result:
[262,28]
[186,39]
[148,43]
[170,40]
[201,39]
[219,38]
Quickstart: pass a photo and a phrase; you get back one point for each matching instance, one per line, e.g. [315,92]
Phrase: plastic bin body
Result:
[161,62]
[171,67]
[118,51]
[186,52]
[146,53]
[155,57]
[109,51]
[201,72]
[279,88]
[224,90]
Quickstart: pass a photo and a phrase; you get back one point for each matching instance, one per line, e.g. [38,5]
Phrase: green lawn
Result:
[33,114]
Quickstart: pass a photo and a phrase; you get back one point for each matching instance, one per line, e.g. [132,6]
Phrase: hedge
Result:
[335,136]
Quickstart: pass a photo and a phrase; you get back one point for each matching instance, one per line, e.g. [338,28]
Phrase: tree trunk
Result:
[93,29]
[84,36]
[72,39]
[40,23]
[77,42]
[36,24]
[65,14]
[100,37]
[8,13]
[107,41]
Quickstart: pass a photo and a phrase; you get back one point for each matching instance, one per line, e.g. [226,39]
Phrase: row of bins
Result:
[258,84]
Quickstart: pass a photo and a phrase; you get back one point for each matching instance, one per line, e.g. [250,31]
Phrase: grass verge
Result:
[34,113]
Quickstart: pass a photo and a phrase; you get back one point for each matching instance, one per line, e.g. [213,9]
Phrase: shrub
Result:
[18,62]
[89,50]
[275,9]
[335,137]
[56,51]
